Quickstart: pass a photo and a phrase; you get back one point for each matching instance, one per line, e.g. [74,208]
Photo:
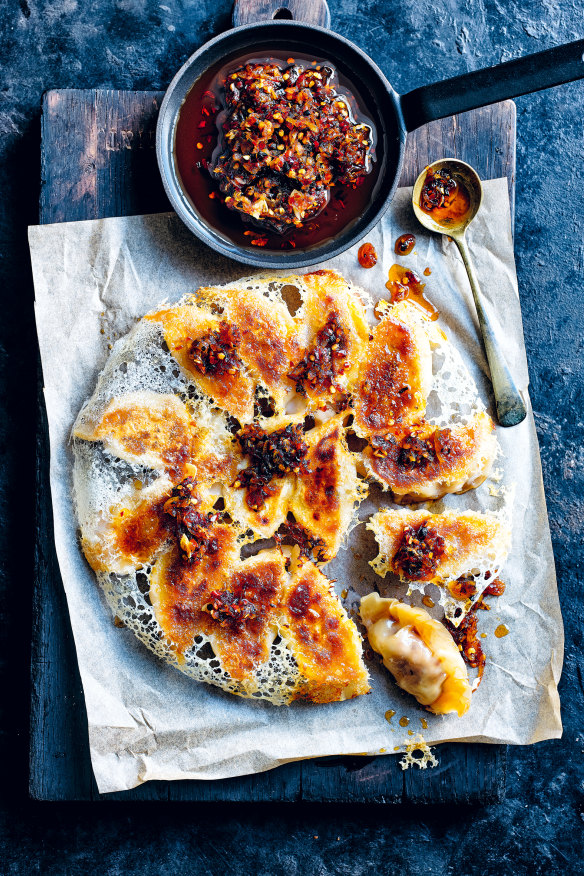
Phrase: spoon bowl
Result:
[463,174]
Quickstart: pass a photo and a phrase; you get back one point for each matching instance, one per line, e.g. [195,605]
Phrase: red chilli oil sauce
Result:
[444,197]
[330,205]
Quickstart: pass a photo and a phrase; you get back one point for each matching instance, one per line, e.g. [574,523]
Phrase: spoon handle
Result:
[510,406]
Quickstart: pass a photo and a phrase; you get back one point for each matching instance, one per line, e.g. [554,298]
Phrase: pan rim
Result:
[165,130]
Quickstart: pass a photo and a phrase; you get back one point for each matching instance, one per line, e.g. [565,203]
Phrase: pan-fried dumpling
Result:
[332,323]
[419,652]
[207,347]
[223,419]
[131,533]
[145,428]
[420,546]
[324,641]
[395,375]
[158,431]
[326,494]
[425,462]
[270,461]
[268,340]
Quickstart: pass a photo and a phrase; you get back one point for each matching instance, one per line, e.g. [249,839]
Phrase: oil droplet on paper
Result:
[389,715]
[344,593]
[404,244]
[501,631]
[424,723]
[429,603]
[403,722]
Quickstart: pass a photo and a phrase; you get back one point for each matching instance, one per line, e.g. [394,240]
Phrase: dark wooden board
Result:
[97,161]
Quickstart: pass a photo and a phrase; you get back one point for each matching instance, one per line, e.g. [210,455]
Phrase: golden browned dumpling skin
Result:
[395,375]
[207,348]
[232,602]
[158,431]
[267,336]
[131,534]
[325,495]
[147,428]
[419,652]
[420,546]
[225,419]
[324,641]
[424,462]
[335,334]
[242,605]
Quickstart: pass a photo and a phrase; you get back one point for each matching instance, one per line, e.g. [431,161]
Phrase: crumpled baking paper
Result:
[146,720]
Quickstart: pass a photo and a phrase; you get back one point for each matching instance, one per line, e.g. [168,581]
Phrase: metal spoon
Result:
[510,405]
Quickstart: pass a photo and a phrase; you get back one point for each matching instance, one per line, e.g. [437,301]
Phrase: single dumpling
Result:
[395,375]
[424,462]
[419,652]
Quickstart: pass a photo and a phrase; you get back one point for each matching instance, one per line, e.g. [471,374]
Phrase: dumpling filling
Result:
[409,660]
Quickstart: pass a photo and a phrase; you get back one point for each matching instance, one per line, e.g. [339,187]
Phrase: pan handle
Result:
[307,11]
[482,87]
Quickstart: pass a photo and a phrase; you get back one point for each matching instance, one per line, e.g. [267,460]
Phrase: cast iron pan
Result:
[302,25]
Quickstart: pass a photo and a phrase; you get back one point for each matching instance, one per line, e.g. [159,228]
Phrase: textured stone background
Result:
[139,44]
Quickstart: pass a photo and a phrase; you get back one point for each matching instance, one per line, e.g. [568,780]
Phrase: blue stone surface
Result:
[139,44]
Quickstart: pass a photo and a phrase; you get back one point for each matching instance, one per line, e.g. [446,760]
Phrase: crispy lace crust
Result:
[296,359]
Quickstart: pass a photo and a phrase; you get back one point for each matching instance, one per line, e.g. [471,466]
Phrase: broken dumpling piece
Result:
[425,462]
[419,652]
[439,548]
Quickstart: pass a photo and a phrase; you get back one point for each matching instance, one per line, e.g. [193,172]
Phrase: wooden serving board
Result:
[98,160]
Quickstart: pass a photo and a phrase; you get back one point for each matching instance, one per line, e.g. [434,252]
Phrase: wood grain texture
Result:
[98,160]
[309,11]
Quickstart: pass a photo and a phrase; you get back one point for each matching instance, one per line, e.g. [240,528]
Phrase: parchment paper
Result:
[146,720]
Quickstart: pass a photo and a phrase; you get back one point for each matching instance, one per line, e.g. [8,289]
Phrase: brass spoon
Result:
[510,405]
